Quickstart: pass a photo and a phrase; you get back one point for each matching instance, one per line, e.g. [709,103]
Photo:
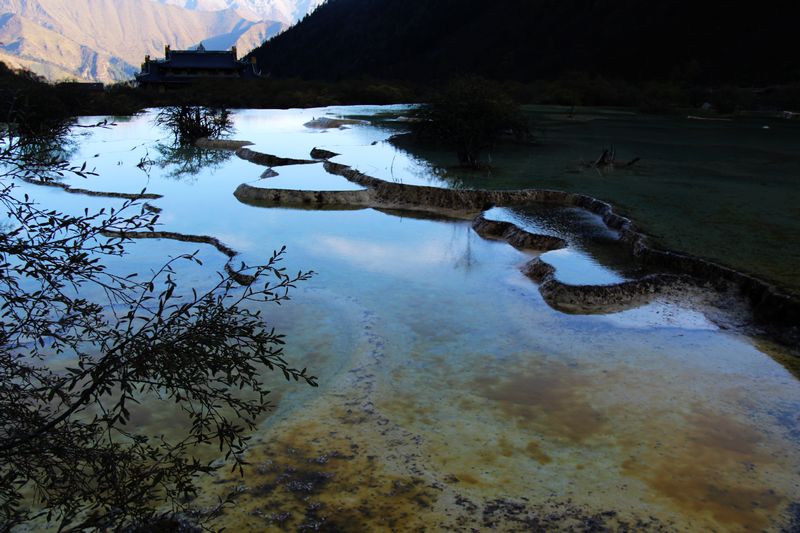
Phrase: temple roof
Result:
[187,66]
[201,59]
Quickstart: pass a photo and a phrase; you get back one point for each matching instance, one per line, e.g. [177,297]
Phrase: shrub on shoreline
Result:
[470,114]
[572,89]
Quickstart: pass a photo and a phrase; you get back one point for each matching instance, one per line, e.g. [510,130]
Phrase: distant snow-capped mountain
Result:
[286,11]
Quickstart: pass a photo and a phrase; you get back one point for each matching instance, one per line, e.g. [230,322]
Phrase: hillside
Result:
[534,39]
[47,52]
[107,39]
[285,11]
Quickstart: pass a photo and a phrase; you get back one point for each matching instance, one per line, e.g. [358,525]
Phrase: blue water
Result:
[439,361]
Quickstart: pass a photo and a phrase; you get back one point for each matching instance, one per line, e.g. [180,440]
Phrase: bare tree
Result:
[67,452]
[189,123]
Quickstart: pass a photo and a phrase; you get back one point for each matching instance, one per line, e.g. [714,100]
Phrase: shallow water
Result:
[727,191]
[452,396]
[594,255]
[307,177]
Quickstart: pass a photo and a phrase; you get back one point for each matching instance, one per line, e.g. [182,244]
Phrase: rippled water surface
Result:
[451,395]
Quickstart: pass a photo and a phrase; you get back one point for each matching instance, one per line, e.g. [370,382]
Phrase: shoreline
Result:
[741,301]
[773,312]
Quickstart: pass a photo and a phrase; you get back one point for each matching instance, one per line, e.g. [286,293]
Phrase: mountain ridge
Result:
[106,40]
[527,40]
[286,11]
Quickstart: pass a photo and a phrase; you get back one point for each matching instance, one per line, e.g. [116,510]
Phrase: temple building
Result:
[180,67]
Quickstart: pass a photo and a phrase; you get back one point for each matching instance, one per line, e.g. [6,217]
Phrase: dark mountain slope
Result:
[523,40]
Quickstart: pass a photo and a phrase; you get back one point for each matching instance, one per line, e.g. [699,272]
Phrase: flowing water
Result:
[452,396]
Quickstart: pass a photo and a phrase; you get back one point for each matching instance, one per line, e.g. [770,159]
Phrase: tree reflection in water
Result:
[182,160]
[185,163]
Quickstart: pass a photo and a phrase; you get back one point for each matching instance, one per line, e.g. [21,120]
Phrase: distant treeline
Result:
[711,42]
[24,97]
[654,56]
[28,97]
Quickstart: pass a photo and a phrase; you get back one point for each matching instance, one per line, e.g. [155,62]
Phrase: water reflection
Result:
[185,162]
[726,191]
[452,395]
[40,154]
[595,255]
[307,178]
